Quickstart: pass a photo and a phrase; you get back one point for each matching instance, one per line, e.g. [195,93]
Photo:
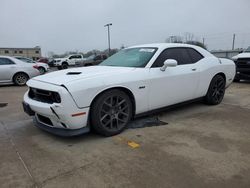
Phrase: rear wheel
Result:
[216,90]
[42,70]
[20,79]
[111,112]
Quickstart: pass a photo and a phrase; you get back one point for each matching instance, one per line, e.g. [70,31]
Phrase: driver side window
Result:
[178,54]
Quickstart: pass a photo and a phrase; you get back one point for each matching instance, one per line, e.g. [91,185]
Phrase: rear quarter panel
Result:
[209,67]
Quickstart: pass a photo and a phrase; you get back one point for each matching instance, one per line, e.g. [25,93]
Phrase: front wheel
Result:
[64,65]
[216,90]
[111,112]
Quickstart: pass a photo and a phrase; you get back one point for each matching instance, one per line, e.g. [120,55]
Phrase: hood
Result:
[242,55]
[42,64]
[70,75]
[63,58]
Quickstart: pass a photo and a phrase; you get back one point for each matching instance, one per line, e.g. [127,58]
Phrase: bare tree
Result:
[188,36]
[174,39]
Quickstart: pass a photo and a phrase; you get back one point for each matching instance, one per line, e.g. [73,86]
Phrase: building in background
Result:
[33,53]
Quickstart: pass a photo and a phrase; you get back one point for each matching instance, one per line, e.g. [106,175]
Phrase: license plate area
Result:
[27,109]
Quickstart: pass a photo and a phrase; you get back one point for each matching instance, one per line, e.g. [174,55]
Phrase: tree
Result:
[174,39]
[197,43]
[188,38]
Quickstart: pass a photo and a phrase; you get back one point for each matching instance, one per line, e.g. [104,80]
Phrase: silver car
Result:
[15,71]
[42,67]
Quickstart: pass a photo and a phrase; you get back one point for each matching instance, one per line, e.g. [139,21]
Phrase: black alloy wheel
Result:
[111,112]
[216,90]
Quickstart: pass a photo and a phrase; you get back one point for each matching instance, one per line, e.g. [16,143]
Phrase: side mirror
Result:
[169,63]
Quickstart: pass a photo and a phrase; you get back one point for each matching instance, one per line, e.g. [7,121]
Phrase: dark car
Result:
[43,60]
[242,62]
[92,60]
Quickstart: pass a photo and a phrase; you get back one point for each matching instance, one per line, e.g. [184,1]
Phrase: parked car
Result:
[242,62]
[51,62]
[42,67]
[70,60]
[43,60]
[134,81]
[16,71]
[92,60]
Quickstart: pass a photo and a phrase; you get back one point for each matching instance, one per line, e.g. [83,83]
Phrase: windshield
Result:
[248,49]
[132,57]
[90,57]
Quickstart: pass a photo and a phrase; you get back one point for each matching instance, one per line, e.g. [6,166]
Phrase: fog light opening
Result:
[64,125]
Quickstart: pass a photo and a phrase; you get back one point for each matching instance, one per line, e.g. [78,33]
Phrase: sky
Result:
[78,25]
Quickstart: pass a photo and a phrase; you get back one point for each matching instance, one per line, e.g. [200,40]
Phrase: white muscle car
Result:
[132,82]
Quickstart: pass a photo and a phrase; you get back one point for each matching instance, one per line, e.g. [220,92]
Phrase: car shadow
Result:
[149,120]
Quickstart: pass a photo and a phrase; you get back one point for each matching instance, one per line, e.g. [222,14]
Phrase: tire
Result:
[216,90]
[41,70]
[64,65]
[20,79]
[111,112]
[88,64]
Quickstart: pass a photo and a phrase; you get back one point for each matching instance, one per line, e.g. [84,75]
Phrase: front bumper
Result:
[242,73]
[58,118]
[60,131]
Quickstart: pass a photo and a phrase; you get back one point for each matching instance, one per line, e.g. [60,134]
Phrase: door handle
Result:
[193,69]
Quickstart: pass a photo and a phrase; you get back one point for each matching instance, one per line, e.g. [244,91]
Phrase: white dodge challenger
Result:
[134,81]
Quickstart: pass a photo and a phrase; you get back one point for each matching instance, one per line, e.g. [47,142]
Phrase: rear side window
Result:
[6,61]
[194,55]
[179,54]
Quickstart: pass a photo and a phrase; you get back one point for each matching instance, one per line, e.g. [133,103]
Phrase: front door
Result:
[175,84]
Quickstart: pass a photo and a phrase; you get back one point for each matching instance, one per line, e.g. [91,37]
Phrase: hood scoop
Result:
[73,73]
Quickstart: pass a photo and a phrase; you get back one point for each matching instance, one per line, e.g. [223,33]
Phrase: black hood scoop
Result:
[74,73]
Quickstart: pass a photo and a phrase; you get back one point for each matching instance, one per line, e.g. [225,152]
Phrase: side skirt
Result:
[166,108]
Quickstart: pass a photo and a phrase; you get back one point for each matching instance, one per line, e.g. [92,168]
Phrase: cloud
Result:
[61,25]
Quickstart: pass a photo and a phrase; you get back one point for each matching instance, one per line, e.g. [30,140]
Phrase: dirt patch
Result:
[3,105]
[145,122]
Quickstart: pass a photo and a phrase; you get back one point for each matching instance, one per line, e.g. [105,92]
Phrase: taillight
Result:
[35,66]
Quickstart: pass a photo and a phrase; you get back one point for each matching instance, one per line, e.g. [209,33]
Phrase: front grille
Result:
[44,96]
[243,63]
[44,120]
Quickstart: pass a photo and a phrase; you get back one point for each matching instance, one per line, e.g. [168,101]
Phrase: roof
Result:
[35,48]
[164,45]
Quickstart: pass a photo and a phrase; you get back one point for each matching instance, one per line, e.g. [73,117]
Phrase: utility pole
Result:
[233,41]
[203,41]
[108,25]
